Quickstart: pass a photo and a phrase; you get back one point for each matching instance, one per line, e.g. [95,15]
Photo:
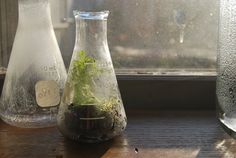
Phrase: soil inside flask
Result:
[88,123]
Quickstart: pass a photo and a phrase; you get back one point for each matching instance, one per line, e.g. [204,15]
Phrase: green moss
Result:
[84,70]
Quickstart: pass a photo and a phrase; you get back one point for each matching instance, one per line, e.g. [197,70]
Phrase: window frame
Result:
[8,25]
[165,92]
[176,92]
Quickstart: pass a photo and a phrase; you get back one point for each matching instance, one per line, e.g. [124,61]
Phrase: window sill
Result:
[148,134]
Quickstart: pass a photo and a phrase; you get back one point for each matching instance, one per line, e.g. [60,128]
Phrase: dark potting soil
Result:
[91,125]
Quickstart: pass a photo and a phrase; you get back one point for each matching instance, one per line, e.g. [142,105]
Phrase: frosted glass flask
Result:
[36,73]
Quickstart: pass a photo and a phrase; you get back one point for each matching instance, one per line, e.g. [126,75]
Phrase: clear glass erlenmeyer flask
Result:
[226,67]
[91,109]
[36,73]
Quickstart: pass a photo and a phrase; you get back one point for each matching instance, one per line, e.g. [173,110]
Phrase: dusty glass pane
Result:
[149,34]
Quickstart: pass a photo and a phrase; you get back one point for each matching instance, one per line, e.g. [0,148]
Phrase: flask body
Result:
[36,73]
[91,109]
[226,67]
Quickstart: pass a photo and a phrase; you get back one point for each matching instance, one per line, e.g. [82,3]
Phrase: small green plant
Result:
[84,70]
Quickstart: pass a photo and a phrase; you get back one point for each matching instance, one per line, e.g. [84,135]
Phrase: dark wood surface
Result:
[148,135]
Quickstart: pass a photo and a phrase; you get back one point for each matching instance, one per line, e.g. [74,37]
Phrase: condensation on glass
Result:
[165,34]
[226,79]
[36,72]
[91,108]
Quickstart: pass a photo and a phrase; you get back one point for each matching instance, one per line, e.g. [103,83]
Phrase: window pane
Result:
[150,34]
[142,34]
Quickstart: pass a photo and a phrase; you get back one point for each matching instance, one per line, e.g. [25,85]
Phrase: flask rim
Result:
[100,15]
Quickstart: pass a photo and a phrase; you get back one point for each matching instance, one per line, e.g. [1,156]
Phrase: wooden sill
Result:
[179,134]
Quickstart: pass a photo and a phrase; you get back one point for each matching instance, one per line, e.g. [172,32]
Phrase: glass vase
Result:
[226,67]
[36,73]
[91,109]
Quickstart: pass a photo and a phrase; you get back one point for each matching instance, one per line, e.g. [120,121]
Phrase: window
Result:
[146,37]
[152,35]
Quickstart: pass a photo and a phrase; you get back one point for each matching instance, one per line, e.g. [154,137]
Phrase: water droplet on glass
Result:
[231,90]
[181,35]
[180,20]
[117,113]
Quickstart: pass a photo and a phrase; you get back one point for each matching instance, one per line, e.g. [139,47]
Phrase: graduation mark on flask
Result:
[50,70]
[93,118]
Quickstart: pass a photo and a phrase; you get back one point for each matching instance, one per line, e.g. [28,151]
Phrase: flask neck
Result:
[34,13]
[91,32]
[91,29]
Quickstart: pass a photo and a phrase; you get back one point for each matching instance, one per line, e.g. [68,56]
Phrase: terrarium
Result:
[36,73]
[91,108]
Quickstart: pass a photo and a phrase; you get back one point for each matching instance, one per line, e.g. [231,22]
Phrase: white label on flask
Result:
[47,93]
